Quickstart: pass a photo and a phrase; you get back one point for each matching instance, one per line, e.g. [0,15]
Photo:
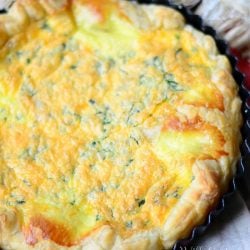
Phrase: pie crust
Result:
[211,175]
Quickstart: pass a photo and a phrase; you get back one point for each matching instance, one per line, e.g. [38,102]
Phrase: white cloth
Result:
[5,3]
[230,230]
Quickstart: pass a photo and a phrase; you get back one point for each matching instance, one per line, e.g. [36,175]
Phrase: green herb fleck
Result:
[2,179]
[93,143]
[135,109]
[178,51]
[73,170]
[19,53]
[19,116]
[100,68]
[92,101]
[27,154]
[63,45]
[64,179]
[175,194]
[105,115]
[172,84]
[140,202]
[103,188]
[129,162]
[134,139]
[129,224]
[126,57]
[114,185]
[77,117]
[26,182]
[112,213]
[72,203]
[92,166]
[177,36]
[73,67]
[28,89]
[98,217]
[156,62]
[45,26]
[3,114]
[111,63]
[21,201]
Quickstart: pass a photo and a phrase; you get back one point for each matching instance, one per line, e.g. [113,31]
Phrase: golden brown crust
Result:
[144,16]
[211,176]
[195,204]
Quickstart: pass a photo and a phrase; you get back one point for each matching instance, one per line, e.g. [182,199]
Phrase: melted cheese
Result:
[76,97]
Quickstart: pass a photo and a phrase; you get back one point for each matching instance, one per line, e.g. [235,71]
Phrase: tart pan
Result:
[239,182]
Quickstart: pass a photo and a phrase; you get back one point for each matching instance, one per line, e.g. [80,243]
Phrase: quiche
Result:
[119,125]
